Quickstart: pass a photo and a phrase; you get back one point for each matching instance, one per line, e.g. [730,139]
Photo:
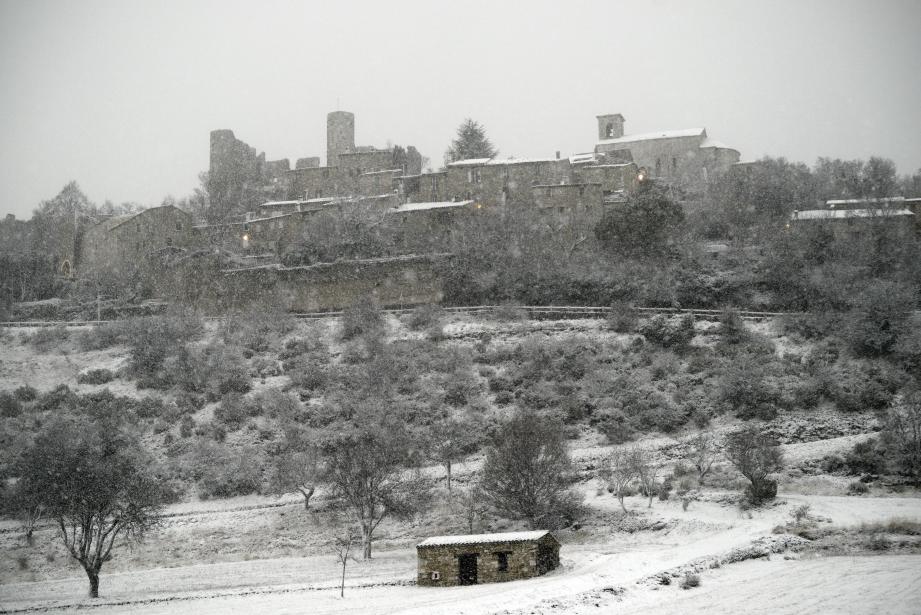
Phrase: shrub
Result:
[256,329]
[508,313]
[48,338]
[150,407]
[865,457]
[361,319]
[10,406]
[232,412]
[221,471]
[55,399]
[690,580]
[669,332]
[26,393]
[186,425]
[857,386]
[857,488]
[746,390]
[96,376]
[103,335]
[800,513]
[622,318]
[615,426]
[424,317]
[152,339]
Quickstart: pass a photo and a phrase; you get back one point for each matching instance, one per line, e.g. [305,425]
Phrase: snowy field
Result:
[613,575]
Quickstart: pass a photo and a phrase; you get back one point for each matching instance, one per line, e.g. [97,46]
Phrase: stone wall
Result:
[522,558]
[390,282]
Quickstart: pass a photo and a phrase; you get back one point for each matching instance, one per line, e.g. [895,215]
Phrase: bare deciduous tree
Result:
[645,469]
[902,436]
[373,472]
[618,472]
[702,453]
[344,544]
[470,505]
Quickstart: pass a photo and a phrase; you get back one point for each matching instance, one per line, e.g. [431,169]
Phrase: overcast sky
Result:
[120,96]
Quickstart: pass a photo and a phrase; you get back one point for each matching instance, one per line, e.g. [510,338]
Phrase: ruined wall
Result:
[307,163]
[503,182]
[424,188]
[235,169]
[567,197]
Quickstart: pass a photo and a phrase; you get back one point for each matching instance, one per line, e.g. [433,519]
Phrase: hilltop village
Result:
[268,209]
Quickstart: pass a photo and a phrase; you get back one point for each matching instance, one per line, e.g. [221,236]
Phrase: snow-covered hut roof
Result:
[424,206]
[475,539]
[708,142]
[648,136]
[469,162]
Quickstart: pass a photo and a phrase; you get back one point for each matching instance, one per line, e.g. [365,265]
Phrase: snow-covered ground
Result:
[604,571]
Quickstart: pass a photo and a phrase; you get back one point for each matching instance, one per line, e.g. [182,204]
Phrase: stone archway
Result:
[66,269]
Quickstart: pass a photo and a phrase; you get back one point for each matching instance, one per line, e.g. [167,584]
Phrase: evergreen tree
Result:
[471,142]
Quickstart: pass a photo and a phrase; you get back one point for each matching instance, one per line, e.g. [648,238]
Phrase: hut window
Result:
[178,226]
[502,559]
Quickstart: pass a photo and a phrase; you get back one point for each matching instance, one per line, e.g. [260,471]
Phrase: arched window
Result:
[65,269]
[609,130]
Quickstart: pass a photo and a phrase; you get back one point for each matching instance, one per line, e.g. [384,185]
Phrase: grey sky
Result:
[121,95]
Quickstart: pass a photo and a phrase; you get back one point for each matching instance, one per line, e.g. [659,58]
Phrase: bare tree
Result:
[451,439]
[702,452]
[618,472]
[373,473]
[344,544]
[470,504]
[296,469]
[645,469]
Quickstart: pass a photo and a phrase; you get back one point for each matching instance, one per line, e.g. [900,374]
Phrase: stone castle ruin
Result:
[261,210]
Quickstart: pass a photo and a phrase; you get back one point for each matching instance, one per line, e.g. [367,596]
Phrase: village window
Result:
[178,226]
[502,560]
[169,241]
[609,131]
[548,191]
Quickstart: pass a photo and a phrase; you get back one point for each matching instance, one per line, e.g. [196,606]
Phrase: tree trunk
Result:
[448,469]
[93,576]
[620,497]
[365,542]
[307,493]
[342,587]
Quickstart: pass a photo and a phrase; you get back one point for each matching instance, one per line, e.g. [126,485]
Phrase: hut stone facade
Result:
[486,558]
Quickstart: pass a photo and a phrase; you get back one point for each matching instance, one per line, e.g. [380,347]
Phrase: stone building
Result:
[124,243]
[687,158]
[517,181]
[852,224]
[486,558]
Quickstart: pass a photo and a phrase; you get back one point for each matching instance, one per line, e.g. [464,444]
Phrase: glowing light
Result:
[245,237]
[479,206]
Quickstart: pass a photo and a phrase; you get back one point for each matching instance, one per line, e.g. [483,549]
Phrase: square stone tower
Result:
[610,126]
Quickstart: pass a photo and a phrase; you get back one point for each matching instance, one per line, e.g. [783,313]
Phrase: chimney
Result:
[557,154]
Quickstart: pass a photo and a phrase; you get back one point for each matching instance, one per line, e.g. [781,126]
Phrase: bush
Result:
[150,407]
[690,580]
[25,393]
[221,471]
[154,338]
[232,412]
[48,338]
[622,318]
[56,399]
[103,335]
[865,457]
[424,317]
[361,319]
[10,406]
[669,332]
[615,426]
[857,488]
[857,386]
[96,376]
[746,390]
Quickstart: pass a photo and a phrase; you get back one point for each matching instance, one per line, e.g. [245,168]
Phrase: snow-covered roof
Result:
[521,161]
[476,162]
[469,162]
[475,539]
[836,202]
[582,158]
[423,206]
[708,142]
[665,134]
[841,214]
[300,202]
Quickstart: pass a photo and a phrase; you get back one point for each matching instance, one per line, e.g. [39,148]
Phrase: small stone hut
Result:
[486,558]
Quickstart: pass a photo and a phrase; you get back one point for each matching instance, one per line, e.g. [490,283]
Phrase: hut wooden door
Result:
[467,569]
